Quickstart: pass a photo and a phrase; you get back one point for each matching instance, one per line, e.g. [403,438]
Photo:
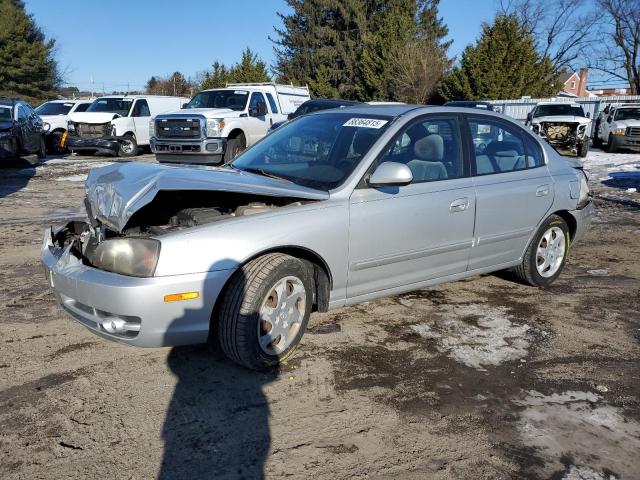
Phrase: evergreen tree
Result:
[217,78]
[27,66]
[250,69]
[503,64]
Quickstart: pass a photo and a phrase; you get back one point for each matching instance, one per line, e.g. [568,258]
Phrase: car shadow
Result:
[217,422]
[15,175]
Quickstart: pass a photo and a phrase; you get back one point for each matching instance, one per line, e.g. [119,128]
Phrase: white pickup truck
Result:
[619,128]
[216,125]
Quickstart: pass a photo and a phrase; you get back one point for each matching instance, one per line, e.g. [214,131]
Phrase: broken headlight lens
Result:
[214,127]
[136,257]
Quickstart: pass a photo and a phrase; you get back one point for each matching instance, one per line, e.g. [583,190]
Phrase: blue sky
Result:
[126,42]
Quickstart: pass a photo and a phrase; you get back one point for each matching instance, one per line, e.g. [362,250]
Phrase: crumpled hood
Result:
[561,119]
[205,112]
[93,117]
[117,191]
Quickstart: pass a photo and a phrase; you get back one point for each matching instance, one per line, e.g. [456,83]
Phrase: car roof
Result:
[330,101]
[573,104]
[400,110]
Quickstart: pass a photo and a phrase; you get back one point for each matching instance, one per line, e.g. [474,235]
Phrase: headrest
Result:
[429,148]
[504,148]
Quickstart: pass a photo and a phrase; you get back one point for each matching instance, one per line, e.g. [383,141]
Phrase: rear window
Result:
[54,108]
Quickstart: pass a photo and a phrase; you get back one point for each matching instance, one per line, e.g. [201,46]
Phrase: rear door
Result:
[141,116]
[514,190]
[400,236]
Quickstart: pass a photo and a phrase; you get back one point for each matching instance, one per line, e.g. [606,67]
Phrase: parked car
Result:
[216,125]
[564,125]
[22,131]
[471,104]
[117,124]
[336,208]
[56,114]
[313,106]
[619,129]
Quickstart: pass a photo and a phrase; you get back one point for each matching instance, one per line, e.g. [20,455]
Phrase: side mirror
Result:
[184,105]
[588,114]
[390,174]
[290,116]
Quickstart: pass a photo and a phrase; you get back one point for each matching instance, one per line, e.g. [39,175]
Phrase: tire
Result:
[42,151]
[528,271]
[243,323]
[611,148]
[234,147]
[53,146]
[128,147]
[583,149]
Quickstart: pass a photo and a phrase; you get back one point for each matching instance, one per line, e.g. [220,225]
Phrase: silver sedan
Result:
[332,209]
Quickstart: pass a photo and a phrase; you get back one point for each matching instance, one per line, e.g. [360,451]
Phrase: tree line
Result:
[396,50]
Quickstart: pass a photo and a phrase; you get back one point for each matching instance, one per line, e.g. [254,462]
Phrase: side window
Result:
[430,148]
[272,103]
[535,158]
[498,147]
[141,109]
[22,114]
[256,98]
[82,107]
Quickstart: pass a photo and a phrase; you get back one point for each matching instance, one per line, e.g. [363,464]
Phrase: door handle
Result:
[542,191]
[459,205]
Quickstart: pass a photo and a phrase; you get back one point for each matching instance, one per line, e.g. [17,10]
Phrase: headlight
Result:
[136,257]
[214,127]
[618,131]
[583,198]
[152,128]
[535,127]
[71,127]
[581,130]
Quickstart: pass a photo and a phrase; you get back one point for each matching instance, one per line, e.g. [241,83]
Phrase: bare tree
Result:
[617,55]
[563,29]
[418,69]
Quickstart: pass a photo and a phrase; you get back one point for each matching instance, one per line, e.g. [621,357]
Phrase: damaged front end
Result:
[562,135]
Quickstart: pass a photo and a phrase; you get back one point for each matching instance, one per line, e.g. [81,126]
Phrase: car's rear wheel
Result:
[545,256]
[265,310]
[128,146]
[235,146]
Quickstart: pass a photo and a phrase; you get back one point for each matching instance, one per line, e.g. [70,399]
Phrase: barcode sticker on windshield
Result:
[365,123]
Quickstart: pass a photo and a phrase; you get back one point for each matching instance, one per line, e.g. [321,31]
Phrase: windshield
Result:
[54,108]
[121,106]
[317,151]
[628,114]
[559,109]
[233,99]
[5,113]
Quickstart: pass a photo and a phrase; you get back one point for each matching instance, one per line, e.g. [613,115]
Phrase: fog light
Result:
[177,297]
[212,147]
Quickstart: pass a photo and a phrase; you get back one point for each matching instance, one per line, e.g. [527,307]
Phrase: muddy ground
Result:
[483,378]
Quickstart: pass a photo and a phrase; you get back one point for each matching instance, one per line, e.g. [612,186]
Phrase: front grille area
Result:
[93,130]
[558,131]
[633,131]
[178,128]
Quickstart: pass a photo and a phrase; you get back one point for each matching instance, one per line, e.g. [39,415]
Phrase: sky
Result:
[123,43]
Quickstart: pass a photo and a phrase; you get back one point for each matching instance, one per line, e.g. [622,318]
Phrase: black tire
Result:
[42,151]
[583,148]
[239,319]
[527,271]
[234,147]
[53,143]
[597,143]
[128,147]
[611,148]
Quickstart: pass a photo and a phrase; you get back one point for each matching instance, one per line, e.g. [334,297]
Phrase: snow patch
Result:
[72,178]
[586,473]
[477,335]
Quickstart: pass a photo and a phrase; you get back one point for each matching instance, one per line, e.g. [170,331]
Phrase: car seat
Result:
[427,164]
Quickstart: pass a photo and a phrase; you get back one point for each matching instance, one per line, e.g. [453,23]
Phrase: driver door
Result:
[258,121]
[402,236]
[141,116]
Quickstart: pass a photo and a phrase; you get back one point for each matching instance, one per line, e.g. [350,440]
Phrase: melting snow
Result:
[72,178]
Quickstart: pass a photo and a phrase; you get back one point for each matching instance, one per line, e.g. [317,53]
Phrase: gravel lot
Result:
[483,378]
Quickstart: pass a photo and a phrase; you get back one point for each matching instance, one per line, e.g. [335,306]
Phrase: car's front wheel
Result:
[128,146]
[235,146]
[583,148]
[611,146]
[265,310]
[545,256]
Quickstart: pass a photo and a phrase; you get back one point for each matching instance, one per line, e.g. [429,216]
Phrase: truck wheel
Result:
[583,149]
[234,147]
[611,148]
[42,150]
[128,146]
[265,311]
[545,256]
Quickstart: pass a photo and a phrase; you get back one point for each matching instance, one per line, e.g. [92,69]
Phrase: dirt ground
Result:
[483,378]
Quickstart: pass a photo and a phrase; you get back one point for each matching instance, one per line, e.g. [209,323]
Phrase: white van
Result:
[218,124]
[117,124]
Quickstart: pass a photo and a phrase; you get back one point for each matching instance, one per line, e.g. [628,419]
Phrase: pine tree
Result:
[503,64]
[249,69]
[27,66]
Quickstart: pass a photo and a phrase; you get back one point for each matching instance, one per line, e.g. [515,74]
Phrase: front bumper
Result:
[207,151]
[626,142]
[584,217]
[95,297]
[108,144]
